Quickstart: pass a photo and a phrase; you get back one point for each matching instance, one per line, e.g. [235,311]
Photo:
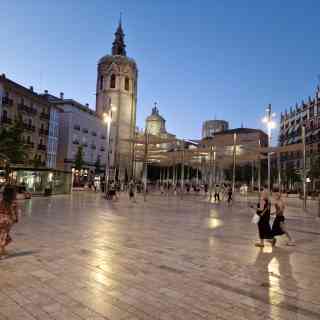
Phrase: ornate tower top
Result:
[118,45]
[155,110]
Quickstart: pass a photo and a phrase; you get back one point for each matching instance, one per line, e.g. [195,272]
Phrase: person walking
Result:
[279,226]
[8,217]
[131,190]
[263,211]
[217,194]
[229,194]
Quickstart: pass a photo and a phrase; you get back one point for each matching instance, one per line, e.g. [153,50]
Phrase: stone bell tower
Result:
[117,95]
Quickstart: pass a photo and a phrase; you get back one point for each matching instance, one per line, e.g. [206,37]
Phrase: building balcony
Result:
[30,144]
[76,127]
[29,127]
[44,131]
[42,147]
[102,149]
[7,102]
[44,116]
[84,145]
[93,147]
[26,109]
[85,130]
[94,133]
[75,142]
[103,137]
[6,120]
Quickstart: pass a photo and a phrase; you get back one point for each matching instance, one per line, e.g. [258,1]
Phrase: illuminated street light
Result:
[107,119]
[271,124]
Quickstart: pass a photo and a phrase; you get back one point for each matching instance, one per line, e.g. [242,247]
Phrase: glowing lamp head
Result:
[106,118]
[272,125]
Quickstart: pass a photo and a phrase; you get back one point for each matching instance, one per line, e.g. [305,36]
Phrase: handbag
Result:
[255,218]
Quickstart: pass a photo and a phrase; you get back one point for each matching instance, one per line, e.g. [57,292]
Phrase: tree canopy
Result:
[79,162]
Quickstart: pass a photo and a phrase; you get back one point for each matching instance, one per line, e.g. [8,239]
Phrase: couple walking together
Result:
[278,228]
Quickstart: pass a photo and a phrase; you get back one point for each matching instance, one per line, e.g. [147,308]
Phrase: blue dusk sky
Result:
[199,59]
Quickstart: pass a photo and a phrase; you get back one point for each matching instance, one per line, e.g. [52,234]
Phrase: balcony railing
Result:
[6,101]
[29,110]
[29,127]
[42,147]
[6,120]
[30,144]
[44,116]
[43,131]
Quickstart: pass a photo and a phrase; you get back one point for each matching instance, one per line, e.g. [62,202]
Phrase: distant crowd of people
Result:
[262,210]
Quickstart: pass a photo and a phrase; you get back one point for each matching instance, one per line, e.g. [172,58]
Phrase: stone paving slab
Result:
[82,257]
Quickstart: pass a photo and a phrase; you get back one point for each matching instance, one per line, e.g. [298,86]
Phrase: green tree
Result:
[314,172]
[97,165]
[12,146]
[36,162]
[79,162]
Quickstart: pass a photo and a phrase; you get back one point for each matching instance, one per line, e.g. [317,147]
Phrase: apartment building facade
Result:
[79,126]
[18,101]
[305,114]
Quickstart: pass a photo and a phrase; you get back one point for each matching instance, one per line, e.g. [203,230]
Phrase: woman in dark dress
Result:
[8,217]
[263,211]
[279,227]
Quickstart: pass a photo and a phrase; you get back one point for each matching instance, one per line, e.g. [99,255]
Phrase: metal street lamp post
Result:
[107,118]
[268,120]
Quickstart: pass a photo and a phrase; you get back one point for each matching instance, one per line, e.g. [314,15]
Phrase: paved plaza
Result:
[81,257]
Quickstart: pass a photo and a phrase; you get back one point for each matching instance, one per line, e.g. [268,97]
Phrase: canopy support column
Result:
[182,171]
[279,171]
[304,173]
[145,166]
[234,162]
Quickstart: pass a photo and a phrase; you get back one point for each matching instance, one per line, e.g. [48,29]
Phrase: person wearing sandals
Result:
[264,228]
[279,226]
[8,217]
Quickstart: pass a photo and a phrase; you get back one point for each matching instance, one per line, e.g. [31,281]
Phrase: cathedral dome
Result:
[155,123]
[155,116]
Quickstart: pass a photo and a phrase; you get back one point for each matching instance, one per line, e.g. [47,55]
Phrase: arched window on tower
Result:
[113,81]
[126,84]
[101,82]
